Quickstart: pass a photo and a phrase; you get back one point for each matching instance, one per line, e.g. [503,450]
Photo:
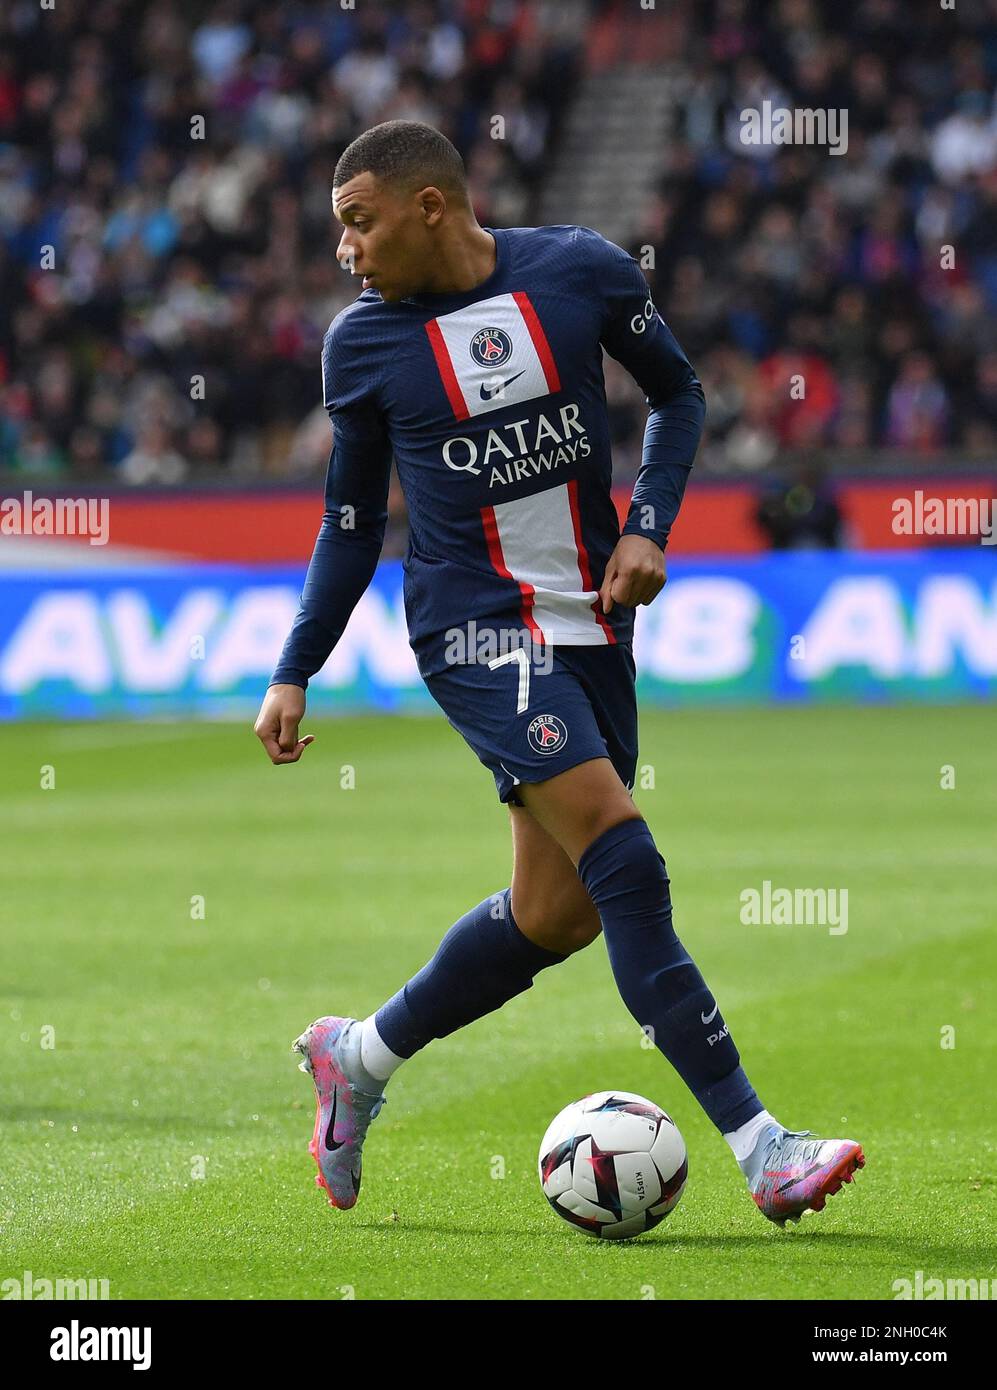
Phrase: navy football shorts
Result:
[535,713]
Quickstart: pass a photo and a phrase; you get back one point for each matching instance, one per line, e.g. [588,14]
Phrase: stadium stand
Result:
[174,257]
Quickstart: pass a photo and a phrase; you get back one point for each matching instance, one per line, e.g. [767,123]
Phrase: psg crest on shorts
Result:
[491,347]
[547,734]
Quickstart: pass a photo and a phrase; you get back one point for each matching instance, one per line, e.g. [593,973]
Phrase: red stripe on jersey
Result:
[584,569]
[494,542]
[447,374]
[539,337]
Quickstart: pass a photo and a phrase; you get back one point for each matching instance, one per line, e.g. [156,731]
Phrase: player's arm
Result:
[635,334]
[344,558]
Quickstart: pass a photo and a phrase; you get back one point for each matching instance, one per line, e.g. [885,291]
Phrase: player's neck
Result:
[467,258]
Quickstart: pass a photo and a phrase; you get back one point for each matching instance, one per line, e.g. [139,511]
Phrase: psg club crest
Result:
[491,347]
[547,734]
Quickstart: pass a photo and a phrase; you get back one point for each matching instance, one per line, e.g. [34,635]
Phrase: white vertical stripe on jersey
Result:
[538,545]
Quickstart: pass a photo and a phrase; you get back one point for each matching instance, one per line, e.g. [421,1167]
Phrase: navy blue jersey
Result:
[493,404]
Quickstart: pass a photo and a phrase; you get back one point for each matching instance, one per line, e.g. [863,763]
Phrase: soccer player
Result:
[475,358]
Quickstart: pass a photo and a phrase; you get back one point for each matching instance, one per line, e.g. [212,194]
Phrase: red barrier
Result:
[243,527]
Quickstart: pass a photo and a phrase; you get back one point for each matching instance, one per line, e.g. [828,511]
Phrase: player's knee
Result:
[578,932]
[599,820]
[565,928]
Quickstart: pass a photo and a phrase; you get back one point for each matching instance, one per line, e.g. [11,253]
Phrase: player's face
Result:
[386,235]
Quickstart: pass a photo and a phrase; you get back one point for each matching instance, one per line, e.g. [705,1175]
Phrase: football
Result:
[613,1164]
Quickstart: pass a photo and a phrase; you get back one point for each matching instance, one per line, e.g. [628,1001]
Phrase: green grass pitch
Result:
[171,1033]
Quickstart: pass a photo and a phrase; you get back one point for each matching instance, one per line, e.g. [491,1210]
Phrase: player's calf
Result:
[549,902]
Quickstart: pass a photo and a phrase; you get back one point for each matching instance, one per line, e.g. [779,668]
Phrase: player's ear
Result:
[432,205]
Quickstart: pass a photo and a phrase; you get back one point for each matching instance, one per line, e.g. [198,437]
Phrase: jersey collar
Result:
[485,290]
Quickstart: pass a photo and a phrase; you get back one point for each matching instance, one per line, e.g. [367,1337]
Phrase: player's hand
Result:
[635,573]
[277,723]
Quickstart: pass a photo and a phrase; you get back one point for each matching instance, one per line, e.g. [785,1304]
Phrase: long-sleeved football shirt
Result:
[493,404]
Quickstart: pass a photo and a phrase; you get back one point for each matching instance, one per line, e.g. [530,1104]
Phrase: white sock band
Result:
[743,1140]
[375,1055]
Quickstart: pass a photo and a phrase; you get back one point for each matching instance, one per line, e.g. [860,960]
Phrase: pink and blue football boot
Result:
[790,1172]
[343,1112]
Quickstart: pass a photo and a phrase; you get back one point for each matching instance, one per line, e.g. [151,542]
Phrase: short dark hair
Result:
[403,152]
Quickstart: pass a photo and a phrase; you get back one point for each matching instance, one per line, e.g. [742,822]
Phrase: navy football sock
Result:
[483,960]
[659,983]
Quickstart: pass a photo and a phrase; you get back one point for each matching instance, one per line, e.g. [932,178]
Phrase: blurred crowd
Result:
[870,277]
[163,296]
[176,327]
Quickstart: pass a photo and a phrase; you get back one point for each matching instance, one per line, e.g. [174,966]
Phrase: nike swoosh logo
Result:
[708,1018]
[812,1169]
[330,1142]
[487,395]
